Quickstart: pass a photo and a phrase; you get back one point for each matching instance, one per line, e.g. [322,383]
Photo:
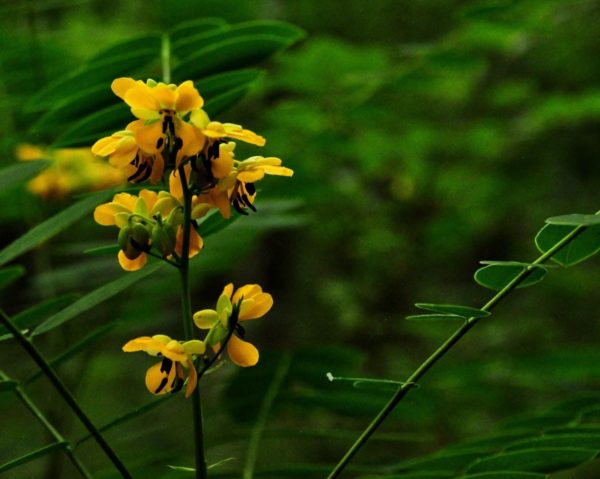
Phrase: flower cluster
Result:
[173,136]
[172,141]
[71,170]
[224,331]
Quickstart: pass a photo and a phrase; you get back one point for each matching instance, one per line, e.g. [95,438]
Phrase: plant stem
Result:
[263,414]
[165,57]
[443,349]
[43,364]
[25,399]
[201,469]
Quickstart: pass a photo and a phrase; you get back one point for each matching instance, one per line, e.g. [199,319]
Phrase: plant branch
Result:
[184,262]
[43,364]
[57,436]
[443,349]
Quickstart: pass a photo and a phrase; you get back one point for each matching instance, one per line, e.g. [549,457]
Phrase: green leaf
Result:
[34,315]
[8,385]
[586,244]
[434,317]
[184,30]
[98,73]
[214,222]
[21,172]
[575,220]
[10,275]
[52,226]
[93,127]
[463,311]
[214,85]
[80,345]
[111,249]
[33,455]
[151,42]
[220,103]
[497,276]
[229,54]
[584,441]
[446,461]
[192,43]
[96,297]
[129,416]
[71,107]
[505,475]
[534,460]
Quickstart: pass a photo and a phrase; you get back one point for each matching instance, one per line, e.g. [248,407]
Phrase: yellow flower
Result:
[160,108]
[246,303]
[124,152]
[248,172]
[141,220]
[71,170]
[168,376]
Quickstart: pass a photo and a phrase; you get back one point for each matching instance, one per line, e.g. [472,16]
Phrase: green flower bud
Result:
[125,244]
[163,238]
[139,236]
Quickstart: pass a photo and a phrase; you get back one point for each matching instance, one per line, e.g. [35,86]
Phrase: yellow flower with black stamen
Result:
[248,172]
[160,109]
[216,130]
[137,217]
[123,151]
[177,363]
[246,303]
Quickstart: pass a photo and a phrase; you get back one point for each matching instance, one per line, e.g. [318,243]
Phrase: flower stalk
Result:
[412,380]
[188,326]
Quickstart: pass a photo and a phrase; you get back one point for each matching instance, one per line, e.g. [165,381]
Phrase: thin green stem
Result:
[263,414]
[165,57]
[443,349]
[58,437]
[184,262]
[43,364]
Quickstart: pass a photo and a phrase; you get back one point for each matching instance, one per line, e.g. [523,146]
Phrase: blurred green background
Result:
[425,136]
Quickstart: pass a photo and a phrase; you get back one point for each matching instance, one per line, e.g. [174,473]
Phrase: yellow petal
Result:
[137,344]
[251,176]
[158,168]
[194,346]
[206,318]
[196,243]
[192,380]
[242,352]
[158,381]
[140,97]
[228,290]
[132,264]
[247,291]
[261,304]
[120,86]
[164,95]
[188,98]
[278,171]
[105,214]
[124,155]
[105,146]
[192,138]
[149,197]
[125,199]
[147,137]
[222,166]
